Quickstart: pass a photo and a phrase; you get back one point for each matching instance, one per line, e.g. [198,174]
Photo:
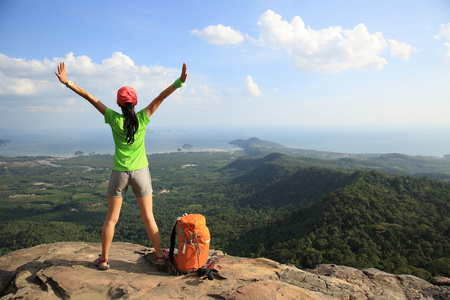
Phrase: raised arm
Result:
[151,108]
[61,74]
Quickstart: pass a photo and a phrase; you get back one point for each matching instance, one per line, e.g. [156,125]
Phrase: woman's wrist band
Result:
[178,83]
[69,83]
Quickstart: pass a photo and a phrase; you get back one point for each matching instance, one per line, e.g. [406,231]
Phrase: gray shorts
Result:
[140,181]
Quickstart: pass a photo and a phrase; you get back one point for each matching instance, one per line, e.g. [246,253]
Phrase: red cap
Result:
[126,95]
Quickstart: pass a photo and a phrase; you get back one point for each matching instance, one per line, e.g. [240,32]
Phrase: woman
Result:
[130,165]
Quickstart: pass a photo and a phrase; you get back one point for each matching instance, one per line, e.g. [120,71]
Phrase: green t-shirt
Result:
[128,157]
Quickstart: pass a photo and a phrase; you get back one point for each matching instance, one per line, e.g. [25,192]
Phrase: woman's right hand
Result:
[183,73]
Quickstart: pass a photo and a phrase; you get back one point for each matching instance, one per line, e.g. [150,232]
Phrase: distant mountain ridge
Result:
[254,147]
[395,163]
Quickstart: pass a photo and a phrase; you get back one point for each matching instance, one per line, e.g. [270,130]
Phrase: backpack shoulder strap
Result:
[172,243]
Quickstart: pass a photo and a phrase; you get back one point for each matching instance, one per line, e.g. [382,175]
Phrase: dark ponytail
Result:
[130,123]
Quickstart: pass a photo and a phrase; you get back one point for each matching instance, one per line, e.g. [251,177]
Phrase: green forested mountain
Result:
[279,181]
[300,210]
[369,219]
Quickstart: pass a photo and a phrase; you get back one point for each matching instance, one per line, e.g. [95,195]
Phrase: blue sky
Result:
[250,63]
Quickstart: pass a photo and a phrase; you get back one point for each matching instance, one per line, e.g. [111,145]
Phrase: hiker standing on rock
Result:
[130,165]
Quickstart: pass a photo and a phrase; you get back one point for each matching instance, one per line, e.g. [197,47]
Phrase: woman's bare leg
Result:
[146,206]
[114,206]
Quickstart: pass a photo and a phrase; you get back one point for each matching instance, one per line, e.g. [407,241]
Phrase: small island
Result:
[185,146]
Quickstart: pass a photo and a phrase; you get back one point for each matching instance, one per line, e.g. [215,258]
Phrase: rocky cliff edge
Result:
[67,271]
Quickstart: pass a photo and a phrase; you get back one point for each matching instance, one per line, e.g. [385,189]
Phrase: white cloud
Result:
[444,32]
[31,86]
[251,88]
[401,50]
[219,35]
[19,67]
[118,60]
[20,77]
[331,49]
[14,85]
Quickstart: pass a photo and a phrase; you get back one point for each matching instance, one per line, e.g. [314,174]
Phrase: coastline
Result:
[68,156]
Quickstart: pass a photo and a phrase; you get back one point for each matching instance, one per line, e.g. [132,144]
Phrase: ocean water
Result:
[427,141]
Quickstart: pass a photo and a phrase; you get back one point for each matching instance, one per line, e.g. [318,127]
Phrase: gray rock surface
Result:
[67,271]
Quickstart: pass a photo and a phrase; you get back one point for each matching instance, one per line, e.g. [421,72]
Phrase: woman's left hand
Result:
[183,73]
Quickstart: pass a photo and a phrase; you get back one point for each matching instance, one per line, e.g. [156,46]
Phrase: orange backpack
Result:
[193,244]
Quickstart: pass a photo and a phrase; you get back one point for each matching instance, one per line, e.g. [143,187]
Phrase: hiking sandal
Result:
[162,258]
[100,261]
